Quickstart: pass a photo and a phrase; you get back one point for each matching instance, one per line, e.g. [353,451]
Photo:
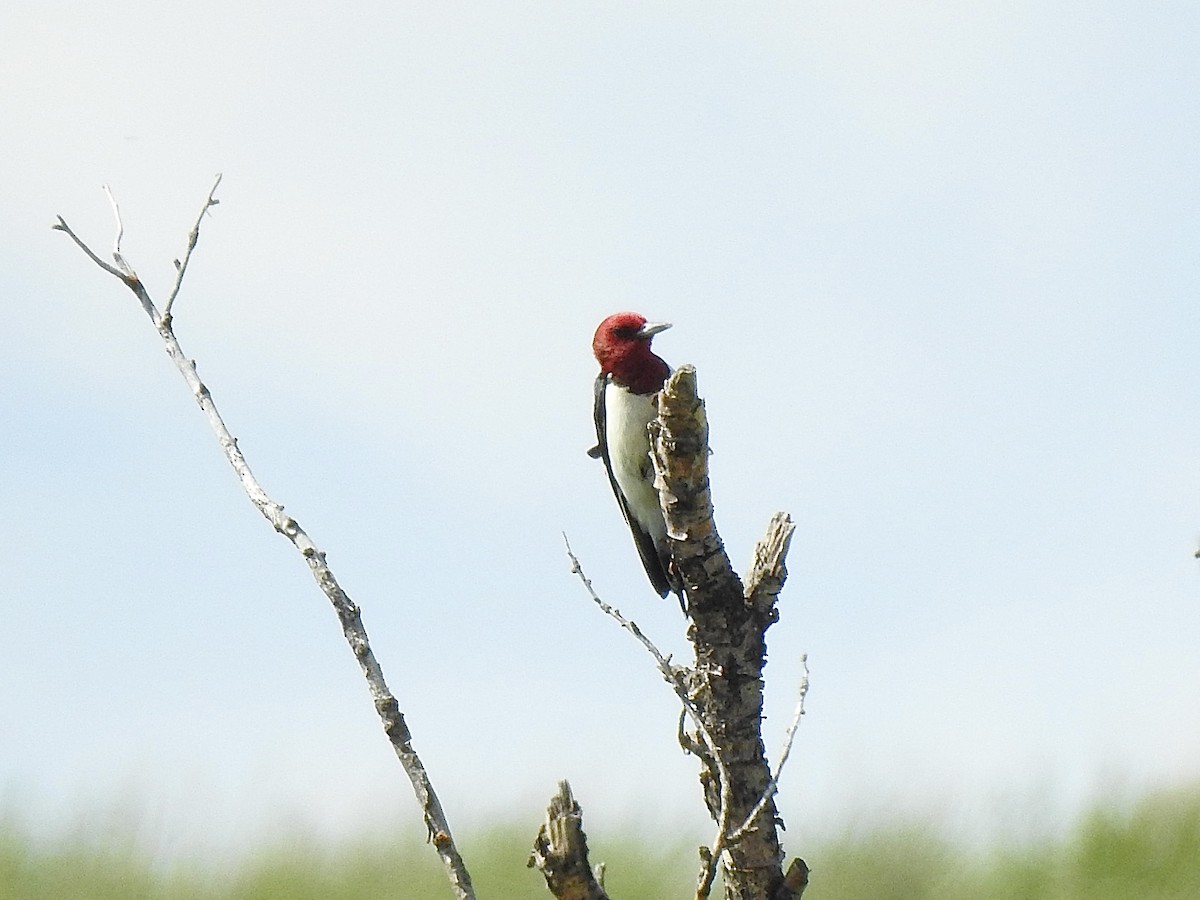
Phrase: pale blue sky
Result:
[937,269]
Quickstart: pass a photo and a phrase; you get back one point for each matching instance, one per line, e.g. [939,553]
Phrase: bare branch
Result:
[560,852]
[125,268]
[126,274]
[711,856]
[767,572]
[794,882]
[107,267]
[348,613]
[181,265]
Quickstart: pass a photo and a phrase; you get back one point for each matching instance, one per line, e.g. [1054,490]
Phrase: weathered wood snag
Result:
[728,633]
[560,852]
[723,690]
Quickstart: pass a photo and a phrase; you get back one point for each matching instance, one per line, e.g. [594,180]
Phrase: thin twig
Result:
[181,265]
[719,843]
[348,613]
[107,267]
[673,676]
[116,252]
[129,279]
[713,860]
[773,784]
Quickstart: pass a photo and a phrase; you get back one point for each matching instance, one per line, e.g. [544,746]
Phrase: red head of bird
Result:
[622,347]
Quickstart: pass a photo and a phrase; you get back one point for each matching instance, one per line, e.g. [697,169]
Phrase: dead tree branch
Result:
[728,629]
[181,265]
[560,852]
[723,694]
[348,613]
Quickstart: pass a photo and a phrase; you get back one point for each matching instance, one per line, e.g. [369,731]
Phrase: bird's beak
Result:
[650,329]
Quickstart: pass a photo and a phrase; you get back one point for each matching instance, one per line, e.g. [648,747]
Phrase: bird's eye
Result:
[627,332]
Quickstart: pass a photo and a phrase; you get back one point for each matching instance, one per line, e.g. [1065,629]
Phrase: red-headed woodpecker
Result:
[630,377]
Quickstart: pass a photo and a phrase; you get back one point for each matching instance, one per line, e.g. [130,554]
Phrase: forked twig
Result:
[348,613]
[66,229]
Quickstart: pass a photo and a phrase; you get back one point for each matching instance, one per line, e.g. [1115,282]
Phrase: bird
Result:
[631,376]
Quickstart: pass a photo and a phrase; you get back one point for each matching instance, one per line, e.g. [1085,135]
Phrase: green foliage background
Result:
[1148,851]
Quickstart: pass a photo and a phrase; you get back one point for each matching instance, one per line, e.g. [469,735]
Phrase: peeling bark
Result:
[728,628]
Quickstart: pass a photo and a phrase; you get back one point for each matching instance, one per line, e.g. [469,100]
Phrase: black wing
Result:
[656,567]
